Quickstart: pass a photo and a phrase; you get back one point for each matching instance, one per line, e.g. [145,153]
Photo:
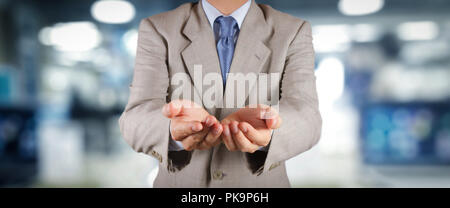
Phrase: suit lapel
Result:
[251,52]
[202,47]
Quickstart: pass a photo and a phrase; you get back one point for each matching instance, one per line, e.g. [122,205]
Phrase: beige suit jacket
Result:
[269,42]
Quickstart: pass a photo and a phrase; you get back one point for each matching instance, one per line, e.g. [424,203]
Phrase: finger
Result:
[193,141]
[210,121]
[189,143]
[270,116]
[212,138]
[213,131]
[234,127]
[200,136]
[199,140]
[226,137]
[218,128]
[172,109]
[266,112]
[243,143]
[181,129]
[274,123]
[202,145]
[252,134]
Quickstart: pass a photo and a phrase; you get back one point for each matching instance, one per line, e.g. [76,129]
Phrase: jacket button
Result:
[160,158]
[218,175]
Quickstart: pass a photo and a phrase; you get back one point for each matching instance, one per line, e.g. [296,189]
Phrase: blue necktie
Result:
[227,30]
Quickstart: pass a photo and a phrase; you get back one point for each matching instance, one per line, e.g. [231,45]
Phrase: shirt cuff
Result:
[175,145]
[265,149]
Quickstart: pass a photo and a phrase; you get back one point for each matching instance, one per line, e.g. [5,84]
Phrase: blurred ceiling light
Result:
[331,38]
[113,11]
[360,7]
[56,79]
[424,52]
[425,30]
[107,98]
[101,58]
[74,36]
[365,33]
[130,41]
[44,35]
[330,81]
[407,84]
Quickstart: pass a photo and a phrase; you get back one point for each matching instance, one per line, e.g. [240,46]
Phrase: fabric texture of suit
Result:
[269,42]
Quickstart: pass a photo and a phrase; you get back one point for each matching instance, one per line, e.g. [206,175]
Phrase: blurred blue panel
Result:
[5,85]
[406,133]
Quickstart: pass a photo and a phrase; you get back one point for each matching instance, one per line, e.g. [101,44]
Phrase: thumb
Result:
[273,123]
[172,109]
[271,118]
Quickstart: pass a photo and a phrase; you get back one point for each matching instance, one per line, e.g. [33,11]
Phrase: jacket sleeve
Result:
[298,106]
[142,124]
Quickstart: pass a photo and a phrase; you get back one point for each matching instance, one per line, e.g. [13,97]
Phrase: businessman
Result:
[202,145]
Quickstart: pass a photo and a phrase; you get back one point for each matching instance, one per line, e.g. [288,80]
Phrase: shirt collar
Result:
[212,13]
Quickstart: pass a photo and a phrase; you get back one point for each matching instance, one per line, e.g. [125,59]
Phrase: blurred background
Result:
[383,76]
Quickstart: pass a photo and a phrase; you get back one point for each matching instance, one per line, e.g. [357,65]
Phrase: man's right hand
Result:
[192,125]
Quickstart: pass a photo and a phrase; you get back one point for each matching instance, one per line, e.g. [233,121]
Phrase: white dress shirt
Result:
[212,13]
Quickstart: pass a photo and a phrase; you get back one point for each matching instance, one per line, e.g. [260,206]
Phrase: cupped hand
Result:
[250,128]
[192,125]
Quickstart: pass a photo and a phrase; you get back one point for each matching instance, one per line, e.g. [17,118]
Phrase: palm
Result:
[191,111]
[249,115]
